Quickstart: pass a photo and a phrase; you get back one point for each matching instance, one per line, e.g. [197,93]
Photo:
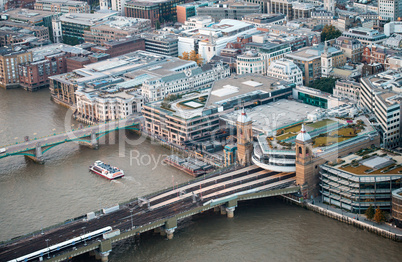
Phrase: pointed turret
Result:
[243,118]
[303,136]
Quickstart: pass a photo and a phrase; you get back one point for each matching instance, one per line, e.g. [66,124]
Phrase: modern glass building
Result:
[397,206]
[356,185]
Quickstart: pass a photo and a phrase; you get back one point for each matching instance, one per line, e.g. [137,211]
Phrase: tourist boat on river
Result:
[105,170]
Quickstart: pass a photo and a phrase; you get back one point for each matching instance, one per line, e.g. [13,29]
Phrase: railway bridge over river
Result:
[159,211]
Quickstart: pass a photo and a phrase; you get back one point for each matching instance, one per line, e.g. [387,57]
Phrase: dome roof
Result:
[303,135]
[243,118]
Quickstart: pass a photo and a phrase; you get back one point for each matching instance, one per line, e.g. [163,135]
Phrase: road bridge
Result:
[88,136]
[162,211]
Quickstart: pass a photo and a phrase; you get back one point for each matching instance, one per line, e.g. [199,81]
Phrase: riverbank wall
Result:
[345,219]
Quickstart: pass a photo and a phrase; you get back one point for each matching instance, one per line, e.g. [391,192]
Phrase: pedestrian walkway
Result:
[362,218]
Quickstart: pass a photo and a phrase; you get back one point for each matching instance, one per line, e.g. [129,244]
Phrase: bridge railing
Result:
[57,133]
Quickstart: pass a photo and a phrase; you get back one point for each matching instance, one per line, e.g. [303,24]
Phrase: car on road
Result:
[3,150]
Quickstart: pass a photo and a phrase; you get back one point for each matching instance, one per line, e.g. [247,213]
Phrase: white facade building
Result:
[57,32]
[382,94]
[329,5]
[347,90]
[118,5]
[107,107]
[158,88]
[251,62]
[287,70]
[2,4]
[197,22]
[211,40]
[393,27]
[389,9]
[104,4]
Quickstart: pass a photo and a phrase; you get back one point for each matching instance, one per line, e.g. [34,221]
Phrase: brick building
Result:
[377,54]
[115,28]
[12,4]
[155,10]
[62,6]
[9,61]
[120,47]
[34,75]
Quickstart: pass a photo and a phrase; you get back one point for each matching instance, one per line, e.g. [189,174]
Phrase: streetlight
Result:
[85,240]
[47,245]
[131,216]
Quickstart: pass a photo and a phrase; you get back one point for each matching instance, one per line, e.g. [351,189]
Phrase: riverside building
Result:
[9,61]
[361,180]
[198,114]
[112,77]
[282,151]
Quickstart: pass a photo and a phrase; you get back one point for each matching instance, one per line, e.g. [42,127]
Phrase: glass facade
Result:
[313,100]
[357,192]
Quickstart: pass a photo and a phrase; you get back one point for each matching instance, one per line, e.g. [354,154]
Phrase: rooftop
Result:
[86,18]
[33,16]
[235,87]
[311,53]
[269,117]
[369,161]
[40,52]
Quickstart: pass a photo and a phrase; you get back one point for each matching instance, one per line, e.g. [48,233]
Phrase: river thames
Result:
[35,196]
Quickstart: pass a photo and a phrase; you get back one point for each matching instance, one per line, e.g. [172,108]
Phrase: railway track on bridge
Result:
[161,206]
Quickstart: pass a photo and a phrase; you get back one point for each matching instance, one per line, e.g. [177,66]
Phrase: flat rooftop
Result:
[28,15]
[376,162]
[235,86]
[85,18]
[274,115]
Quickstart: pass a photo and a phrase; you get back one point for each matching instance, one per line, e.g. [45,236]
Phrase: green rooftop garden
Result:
[293,130]
[337,136]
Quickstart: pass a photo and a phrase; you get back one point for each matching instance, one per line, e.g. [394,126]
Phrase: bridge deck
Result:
[212,179]
[142,216]
[17,148]
[212,187]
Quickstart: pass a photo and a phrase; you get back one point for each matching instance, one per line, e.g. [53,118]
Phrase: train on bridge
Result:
[63,245]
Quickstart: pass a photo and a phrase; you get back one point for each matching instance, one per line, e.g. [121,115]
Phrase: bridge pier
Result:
[216,209]
[169,233]
[223,210]
[92,142]
[104,250]
[38,158]
[170,227]
[230,212]
[230,208]
[104,257]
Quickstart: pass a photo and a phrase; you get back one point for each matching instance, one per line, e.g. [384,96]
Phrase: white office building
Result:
[382,95]
[209,41]
[118,5]
[158,88]
[287,70]
[389,10]
[251,62]
[393,27]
